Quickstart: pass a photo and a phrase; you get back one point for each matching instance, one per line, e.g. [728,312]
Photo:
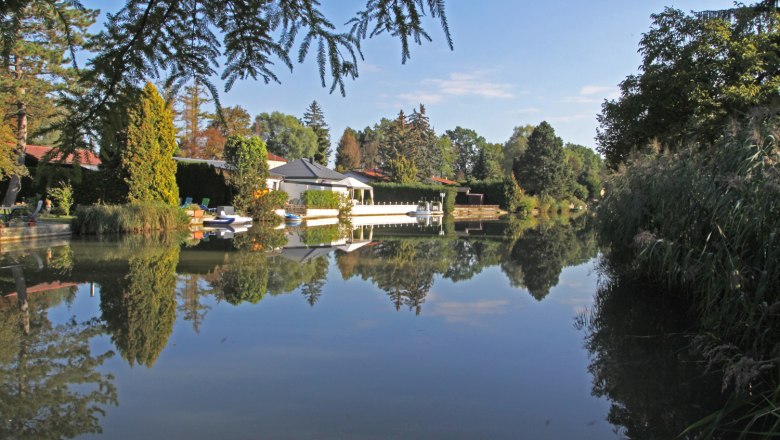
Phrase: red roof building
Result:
[86,159]
[444,181]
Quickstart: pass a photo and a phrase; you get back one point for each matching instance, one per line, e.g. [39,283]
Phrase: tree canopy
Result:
[37,53]
[698,72]
[285,135]
[542,169]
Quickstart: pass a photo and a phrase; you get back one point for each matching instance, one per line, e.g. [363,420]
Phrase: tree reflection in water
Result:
[641,360]
[531,254]
[139,308]
[50,386]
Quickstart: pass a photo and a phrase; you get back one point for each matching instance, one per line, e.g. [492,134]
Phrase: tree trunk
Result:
[15,185]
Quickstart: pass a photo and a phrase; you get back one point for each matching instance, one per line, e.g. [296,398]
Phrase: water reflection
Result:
[139,308]
[50,385]
[641,360]
[143,283]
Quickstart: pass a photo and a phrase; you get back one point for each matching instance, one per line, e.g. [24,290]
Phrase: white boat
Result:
[227,216]
[427,209]
[226,232]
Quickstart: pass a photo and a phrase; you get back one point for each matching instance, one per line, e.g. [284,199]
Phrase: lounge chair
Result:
[34,216]
[204,204]
[187,202]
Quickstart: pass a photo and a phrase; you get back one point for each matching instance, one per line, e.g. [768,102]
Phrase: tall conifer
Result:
[147,160]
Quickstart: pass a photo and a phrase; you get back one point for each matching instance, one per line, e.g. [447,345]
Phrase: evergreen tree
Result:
[186,40]
[147,160]
[315,119]
[394,140]
[370,140]
[39,39]
[193,117]
[402,170]
[348,152]
[421,145]
[543,170]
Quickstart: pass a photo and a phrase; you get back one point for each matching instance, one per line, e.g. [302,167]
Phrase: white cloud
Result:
[572,117]
[460,84]
[593,94]
[370,68]
[468,312]
[597,90]
[526,111]
[421,97]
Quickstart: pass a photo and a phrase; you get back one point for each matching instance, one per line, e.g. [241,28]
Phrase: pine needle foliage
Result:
[182,40]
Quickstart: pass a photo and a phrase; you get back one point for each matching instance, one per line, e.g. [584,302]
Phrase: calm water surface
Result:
[445,331]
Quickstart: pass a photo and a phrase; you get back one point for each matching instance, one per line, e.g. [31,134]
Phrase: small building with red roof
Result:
[84,158]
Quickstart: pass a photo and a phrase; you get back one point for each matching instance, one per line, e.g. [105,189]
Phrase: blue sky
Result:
[514,63]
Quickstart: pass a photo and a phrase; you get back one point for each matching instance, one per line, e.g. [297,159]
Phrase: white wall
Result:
[294,190]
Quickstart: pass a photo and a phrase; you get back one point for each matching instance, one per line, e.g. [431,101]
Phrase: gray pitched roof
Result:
[306,169]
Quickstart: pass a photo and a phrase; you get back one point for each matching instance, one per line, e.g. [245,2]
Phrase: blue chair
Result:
[187,202]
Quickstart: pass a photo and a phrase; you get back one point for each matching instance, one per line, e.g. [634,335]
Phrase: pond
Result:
[455,330]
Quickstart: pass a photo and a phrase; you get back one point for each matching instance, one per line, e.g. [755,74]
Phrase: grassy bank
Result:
[143,217]
[706,225]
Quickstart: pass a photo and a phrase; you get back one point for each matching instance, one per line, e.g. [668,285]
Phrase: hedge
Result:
[415,192]
[201,180]
[319,199]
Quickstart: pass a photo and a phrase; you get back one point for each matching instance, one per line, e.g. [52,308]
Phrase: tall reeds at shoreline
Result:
[707,225]
[140,217]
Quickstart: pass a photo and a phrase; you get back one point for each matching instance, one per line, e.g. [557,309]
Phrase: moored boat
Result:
[427,208]
[227,216]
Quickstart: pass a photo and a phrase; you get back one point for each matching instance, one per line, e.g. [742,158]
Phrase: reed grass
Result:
[707,225]
[141,217]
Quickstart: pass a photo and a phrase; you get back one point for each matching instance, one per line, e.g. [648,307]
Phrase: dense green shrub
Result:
[413,193]
[138,217]
[248,159]
[201,180]
[320,199]
[267,202]
[505,193]
[63,199]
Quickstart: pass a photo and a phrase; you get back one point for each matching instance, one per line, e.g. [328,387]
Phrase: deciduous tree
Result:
[348,153]
[466,144]
[698,72]
[515,146]
[285,135]
[248,160]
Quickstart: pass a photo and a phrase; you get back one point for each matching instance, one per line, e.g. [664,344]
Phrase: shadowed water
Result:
[462,330]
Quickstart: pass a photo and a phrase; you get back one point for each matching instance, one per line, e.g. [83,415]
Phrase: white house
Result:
[304,174]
